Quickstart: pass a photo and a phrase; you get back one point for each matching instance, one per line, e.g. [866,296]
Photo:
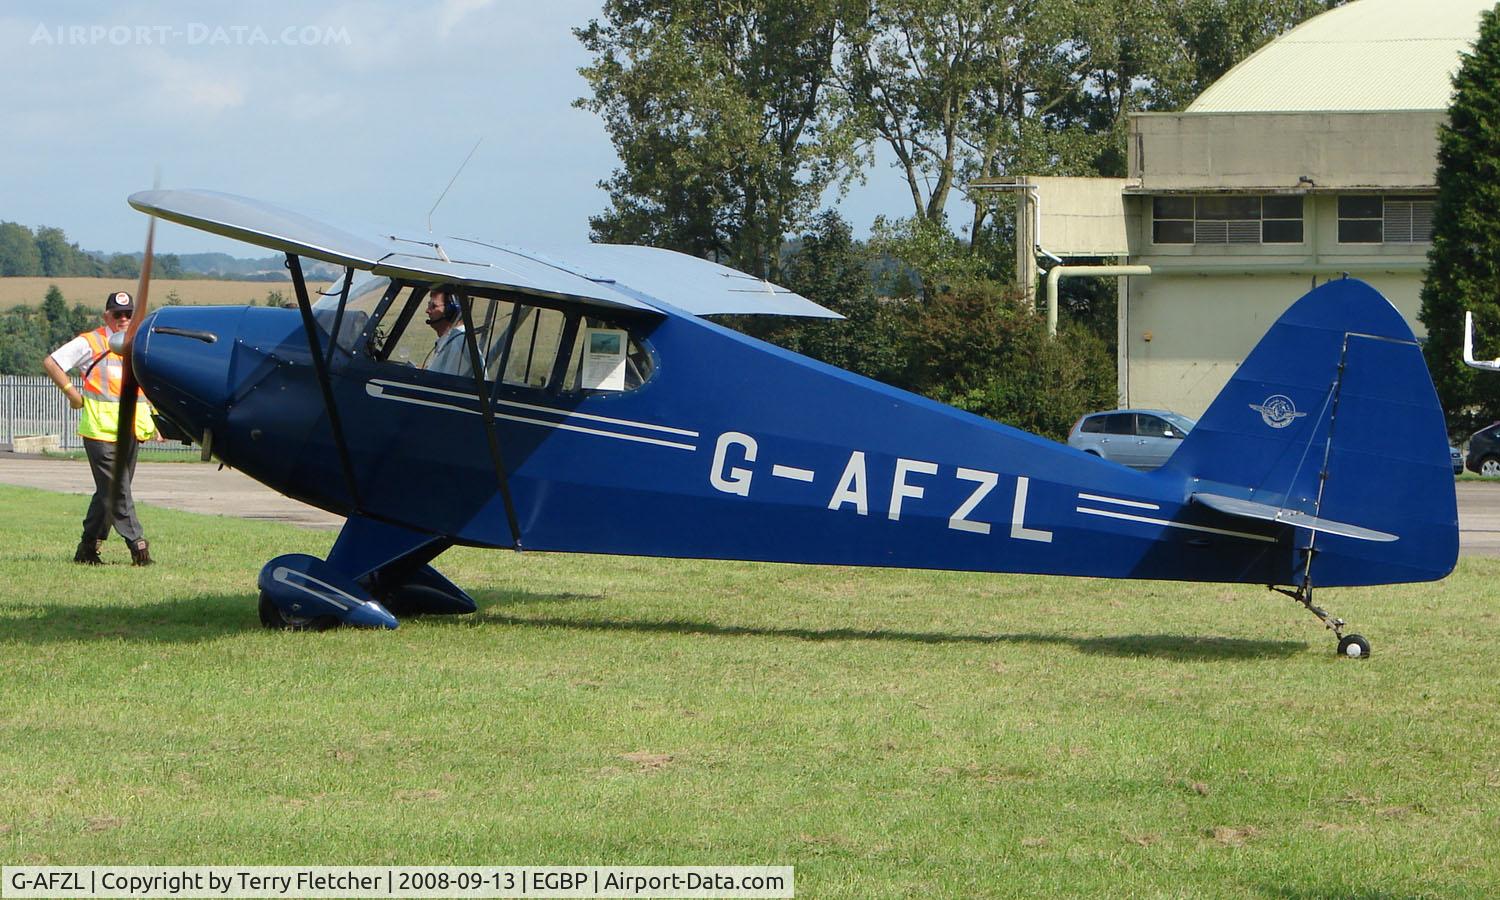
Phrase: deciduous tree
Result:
[831,268]
[18,253]
[722,118]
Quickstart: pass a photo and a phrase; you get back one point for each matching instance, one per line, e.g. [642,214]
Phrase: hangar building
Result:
[1313,157]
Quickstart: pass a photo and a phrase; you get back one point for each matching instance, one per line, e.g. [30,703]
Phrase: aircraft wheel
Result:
[1489,467]
[272,617]
[1354,646]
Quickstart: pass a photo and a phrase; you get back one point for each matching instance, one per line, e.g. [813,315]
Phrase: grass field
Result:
[889,733]
[146,453]
[92,291]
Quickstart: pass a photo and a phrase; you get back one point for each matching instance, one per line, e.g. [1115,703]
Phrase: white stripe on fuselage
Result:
[1135,503]
[376,388]
[1109,513]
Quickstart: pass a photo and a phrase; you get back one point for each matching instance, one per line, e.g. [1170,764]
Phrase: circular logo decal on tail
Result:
[1278,411]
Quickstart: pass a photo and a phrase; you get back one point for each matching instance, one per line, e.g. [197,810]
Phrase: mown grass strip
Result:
[889,733]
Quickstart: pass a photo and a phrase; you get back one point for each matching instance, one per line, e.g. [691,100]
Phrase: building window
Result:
[1227,219]
[1172,220]
[1281,220]
[1372,219]
[1361,220]
[1408,220]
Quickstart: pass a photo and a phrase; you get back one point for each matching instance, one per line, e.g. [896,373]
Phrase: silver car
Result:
[1139,438]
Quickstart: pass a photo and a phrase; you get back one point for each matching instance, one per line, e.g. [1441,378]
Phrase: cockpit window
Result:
[407,339]
[519,344]
[606,357]
[537,337]
[364,299]
[413,337]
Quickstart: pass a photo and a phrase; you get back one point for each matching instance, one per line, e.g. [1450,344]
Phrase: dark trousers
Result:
[99,517]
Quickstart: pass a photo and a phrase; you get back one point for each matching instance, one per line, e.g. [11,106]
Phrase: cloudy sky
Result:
[365,108]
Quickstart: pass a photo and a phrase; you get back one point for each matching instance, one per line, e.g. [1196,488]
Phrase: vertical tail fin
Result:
[1333,417]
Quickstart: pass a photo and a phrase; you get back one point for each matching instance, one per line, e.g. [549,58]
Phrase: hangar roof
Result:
[1368,55]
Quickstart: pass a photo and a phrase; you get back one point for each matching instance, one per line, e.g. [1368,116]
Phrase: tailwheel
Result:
[1351,646]
[1354,646]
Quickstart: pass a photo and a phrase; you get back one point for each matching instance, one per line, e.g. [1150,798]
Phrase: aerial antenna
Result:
[450,183]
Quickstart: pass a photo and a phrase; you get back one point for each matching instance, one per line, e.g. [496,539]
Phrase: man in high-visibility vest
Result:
[98,425]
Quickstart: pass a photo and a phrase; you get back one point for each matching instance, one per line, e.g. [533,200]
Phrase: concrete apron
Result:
[194,487]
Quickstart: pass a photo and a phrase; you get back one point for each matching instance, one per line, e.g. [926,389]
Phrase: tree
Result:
[928,248]
[18,253]
[58,322]
[979,348]
[832,269]
[23,341]
[52,247]
[909,72]
[721,116]
[82,318]
[1463,266]
[166,265]
[122,265]
[1127,50]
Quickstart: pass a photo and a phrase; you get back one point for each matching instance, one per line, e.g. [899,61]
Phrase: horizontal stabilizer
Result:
[1249,509]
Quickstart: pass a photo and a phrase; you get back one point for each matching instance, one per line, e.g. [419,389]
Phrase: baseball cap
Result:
[119,300]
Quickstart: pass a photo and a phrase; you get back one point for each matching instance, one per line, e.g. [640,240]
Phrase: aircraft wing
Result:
[693,285]
[639,278]
[1249,509]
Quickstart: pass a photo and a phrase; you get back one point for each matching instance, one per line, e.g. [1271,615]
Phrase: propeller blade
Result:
[125,435]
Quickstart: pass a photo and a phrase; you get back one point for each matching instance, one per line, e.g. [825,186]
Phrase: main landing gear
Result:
[374,573]
[1351,646]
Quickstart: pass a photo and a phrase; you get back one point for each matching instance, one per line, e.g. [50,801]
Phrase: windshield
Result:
[364,298]
[1180,422]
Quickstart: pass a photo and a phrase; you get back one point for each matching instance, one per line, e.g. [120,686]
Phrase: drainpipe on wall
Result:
[1028,231]
[1057,273]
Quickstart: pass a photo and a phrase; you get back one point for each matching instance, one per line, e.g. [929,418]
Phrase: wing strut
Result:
[487,408]
[294,263]
[338,316]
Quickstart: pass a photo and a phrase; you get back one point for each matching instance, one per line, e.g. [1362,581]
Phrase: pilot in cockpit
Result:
[450,353]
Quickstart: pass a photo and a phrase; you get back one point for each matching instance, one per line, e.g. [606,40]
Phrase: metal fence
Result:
[34,405]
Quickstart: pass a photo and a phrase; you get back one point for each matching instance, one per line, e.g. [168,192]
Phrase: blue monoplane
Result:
[596,410]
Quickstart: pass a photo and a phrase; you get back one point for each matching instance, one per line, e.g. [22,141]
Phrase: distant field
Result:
[91,291]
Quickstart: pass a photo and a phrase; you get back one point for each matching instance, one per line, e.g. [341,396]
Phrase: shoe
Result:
[140,553]
[88,553]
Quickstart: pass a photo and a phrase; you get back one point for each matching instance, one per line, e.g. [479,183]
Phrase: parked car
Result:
[1139,438]
[1458,459]
[1484,451]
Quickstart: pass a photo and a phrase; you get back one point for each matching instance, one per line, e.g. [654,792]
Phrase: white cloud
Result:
[191,87]
[315,105]
[453,11]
